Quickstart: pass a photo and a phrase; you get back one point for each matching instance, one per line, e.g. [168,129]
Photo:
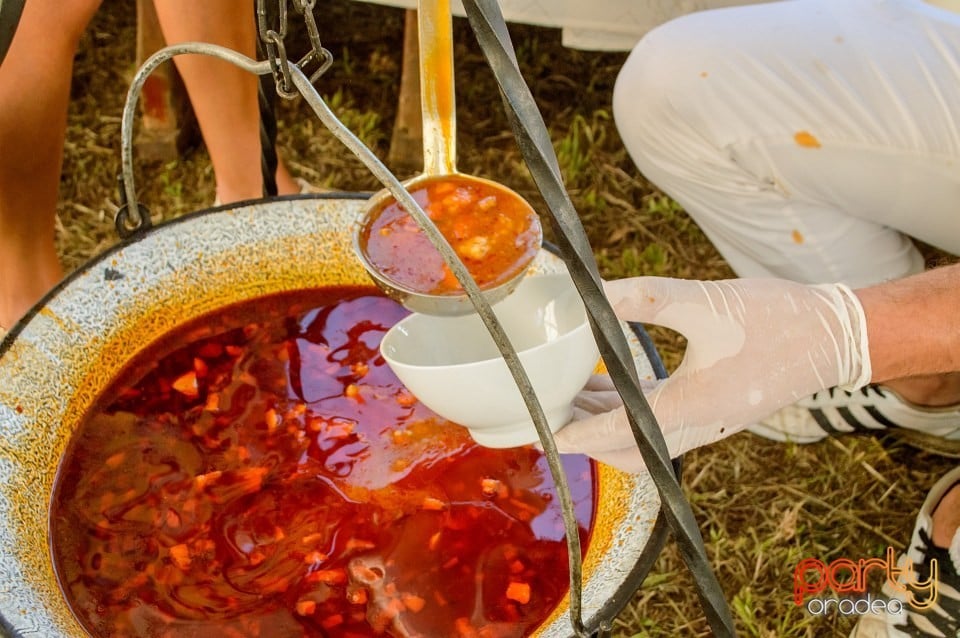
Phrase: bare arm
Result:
[913,324]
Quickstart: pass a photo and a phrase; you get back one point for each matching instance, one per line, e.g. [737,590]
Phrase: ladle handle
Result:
[437,102]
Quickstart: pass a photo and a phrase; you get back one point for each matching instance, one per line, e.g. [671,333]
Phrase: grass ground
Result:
[762,506]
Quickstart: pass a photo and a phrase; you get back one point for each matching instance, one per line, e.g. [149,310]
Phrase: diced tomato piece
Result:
[519,592]
[360,368]
[213,402]
[359,543]
[449,281]
[202,480]
[452,562]
[186,384]
[464,628]
[413,603]
[272,419]
[487,203]
[489,486]
[311,539]
[307,607]
[180,555]
[444,187]
[405,399]
[298,410]
[433,504]
[329,576]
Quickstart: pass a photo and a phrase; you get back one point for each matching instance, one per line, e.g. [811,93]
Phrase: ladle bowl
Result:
[435,32]
[454,301]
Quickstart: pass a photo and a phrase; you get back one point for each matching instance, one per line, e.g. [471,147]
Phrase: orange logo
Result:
[844,576]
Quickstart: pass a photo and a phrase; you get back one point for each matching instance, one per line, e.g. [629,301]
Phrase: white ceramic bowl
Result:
[453,366]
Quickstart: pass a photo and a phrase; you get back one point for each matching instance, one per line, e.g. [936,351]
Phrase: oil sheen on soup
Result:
[262,472]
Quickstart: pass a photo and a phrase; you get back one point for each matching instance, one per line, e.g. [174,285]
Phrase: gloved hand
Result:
[753,346]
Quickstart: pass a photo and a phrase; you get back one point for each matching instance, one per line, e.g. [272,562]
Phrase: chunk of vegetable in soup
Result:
[495,234]
[262,472]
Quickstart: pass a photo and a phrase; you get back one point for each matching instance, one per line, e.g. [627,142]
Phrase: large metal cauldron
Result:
[54,364]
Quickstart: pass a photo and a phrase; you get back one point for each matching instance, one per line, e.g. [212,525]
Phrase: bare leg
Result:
[946,518]
[224,97]
[34,97]
[930,391]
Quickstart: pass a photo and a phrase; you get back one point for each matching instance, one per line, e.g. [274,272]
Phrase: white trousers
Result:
[809,139]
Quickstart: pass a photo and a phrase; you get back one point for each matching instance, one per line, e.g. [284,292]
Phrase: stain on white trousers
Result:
[809,139]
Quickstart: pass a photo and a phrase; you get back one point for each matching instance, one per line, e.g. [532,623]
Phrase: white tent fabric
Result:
[594,25]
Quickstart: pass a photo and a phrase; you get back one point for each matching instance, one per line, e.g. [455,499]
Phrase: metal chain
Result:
[273,34]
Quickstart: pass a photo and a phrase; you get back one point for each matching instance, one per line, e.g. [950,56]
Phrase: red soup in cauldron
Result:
[261,472]
[494,232]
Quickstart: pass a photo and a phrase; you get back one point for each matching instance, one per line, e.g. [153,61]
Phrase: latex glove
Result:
[753,346]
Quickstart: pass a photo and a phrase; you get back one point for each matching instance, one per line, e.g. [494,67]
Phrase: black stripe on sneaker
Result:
[876,414]
[822,421]
[852,421]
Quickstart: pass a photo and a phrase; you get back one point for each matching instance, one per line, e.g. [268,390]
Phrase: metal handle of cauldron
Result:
[130,221]
[491,32]
[132,217]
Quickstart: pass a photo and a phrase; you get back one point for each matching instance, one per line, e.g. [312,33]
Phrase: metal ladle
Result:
[435,32]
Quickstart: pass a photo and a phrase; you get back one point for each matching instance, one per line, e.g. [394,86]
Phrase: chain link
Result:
[316,61]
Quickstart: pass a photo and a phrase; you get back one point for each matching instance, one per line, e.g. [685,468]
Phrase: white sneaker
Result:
[874,409]
[942,618]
